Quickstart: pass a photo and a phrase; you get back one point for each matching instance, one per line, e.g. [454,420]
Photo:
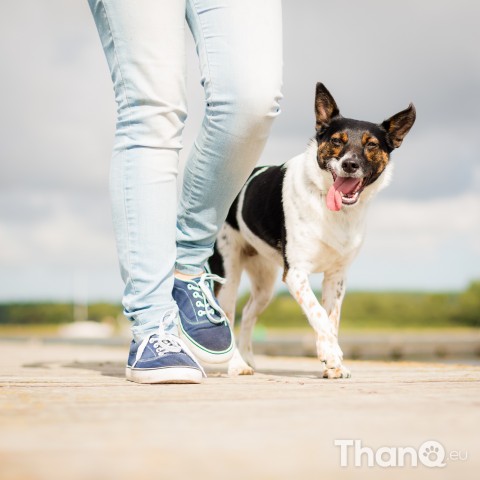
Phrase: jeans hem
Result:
[189,269]
[142,327]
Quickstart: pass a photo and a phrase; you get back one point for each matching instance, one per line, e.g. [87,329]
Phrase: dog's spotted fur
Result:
[280,219]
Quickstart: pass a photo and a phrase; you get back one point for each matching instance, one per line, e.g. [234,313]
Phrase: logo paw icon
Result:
[432,454]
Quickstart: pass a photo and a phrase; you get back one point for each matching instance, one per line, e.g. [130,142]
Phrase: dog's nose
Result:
[350,165]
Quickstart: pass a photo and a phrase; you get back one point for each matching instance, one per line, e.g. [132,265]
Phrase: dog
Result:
[306,216]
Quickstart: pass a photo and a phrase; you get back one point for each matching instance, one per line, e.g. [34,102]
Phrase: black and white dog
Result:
[306,216]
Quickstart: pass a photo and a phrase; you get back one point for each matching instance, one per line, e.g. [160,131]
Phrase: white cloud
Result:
[429,244]
[413,226]
[54,235]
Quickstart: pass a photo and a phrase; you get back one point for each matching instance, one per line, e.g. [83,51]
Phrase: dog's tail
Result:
[215,265]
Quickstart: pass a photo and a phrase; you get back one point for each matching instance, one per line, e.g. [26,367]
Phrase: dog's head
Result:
[354,153]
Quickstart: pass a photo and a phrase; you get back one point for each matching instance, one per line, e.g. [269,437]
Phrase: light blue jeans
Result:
[239,45]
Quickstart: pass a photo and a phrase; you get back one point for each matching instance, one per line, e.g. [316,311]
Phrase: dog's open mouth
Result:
[345,190]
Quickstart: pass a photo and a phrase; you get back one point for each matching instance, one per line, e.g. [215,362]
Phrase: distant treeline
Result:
[52,313]
[360,310]
[389,309]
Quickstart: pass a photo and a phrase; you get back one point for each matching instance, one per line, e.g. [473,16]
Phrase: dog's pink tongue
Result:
[334,199]
[341,185]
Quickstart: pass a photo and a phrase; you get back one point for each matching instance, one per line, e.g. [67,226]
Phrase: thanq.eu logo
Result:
[430,454]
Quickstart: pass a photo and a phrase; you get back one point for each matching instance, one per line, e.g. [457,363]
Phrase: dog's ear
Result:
[325,107]
[399,125]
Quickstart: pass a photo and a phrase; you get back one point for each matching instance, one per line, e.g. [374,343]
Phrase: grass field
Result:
[367,310]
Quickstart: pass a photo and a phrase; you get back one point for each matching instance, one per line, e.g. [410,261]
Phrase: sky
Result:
[57,121]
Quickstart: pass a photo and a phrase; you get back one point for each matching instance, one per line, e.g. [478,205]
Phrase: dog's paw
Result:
[237,370]
[331,356]
[248,357]
[238,366]
[336,372]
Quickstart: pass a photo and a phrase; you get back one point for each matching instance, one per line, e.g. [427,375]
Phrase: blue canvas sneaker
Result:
[203,324]
[162,358]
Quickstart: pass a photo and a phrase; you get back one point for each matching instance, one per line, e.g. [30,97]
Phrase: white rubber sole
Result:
[205,356]
[164,375]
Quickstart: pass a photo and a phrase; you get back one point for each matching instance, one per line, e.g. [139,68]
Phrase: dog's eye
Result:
[372,145]
[336,142]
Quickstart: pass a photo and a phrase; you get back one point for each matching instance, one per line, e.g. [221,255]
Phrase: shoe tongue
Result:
[341,185]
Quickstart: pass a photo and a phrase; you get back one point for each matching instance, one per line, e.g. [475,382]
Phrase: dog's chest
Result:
[317,238]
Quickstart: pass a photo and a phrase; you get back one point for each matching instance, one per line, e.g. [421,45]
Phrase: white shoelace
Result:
[165,343]
[205,297]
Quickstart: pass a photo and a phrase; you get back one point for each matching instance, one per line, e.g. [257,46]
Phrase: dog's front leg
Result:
[328,350]
[333,291]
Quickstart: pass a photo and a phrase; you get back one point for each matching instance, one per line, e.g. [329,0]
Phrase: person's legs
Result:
[239,44]
[144,42]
